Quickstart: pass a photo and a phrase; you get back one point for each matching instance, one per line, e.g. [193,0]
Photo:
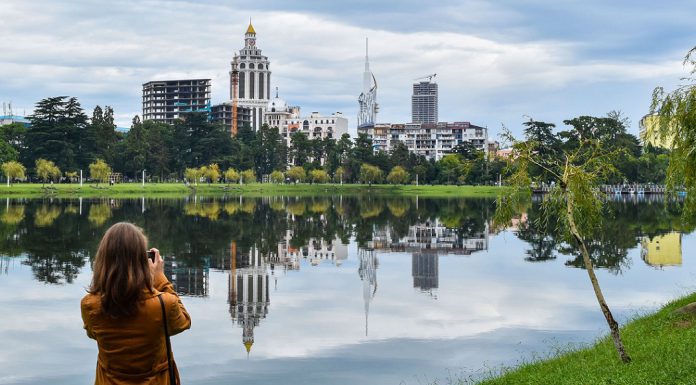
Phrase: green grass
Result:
[661,345]
[253,189]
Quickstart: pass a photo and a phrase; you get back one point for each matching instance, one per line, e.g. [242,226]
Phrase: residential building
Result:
[289,120]
[424,107]
[165,101]
[430,140]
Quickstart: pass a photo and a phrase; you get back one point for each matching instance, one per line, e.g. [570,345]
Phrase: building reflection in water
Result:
[425,271]
[368,274]
[248,291]
[189,281]
[426,241]
[662,250]
[315,252]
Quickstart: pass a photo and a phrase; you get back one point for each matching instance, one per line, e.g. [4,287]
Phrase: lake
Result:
[335,290]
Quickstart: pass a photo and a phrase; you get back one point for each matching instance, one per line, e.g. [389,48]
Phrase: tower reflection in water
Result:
[248,291]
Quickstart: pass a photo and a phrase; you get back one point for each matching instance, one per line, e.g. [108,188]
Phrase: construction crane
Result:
[430,77]
[235,83]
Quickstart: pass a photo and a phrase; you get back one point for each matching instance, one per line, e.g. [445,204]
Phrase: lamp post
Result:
[143,177]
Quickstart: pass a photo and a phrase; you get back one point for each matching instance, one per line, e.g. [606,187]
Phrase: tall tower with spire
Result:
[254,85]
[368,98]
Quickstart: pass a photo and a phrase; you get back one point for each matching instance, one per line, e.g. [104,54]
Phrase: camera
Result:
[151,255]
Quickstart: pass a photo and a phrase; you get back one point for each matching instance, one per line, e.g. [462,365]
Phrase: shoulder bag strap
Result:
[170,367]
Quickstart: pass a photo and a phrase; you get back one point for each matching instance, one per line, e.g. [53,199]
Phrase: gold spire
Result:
[248,345]
[250,29]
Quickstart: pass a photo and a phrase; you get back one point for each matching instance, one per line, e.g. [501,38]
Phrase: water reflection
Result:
[255,241]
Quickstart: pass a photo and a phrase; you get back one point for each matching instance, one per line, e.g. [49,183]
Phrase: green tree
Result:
[300,148]
[297,174]
[231,175]
[339,175]
[102,132]
[675,123]
[319,176]
[398,175]
[248,176]
[212,172]
[59,133]
[99,171]
[193,175]
[136,148]
[573,205]
[277,177]
[370,174]
[46,169]
[71,176]
[13,170]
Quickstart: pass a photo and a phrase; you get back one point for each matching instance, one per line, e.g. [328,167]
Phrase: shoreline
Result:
[174,190]
[660,345]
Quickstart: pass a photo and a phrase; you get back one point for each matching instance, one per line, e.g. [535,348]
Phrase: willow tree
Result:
[673,121]
[573,206]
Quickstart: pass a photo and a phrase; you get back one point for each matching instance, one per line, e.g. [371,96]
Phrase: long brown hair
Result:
[121,271]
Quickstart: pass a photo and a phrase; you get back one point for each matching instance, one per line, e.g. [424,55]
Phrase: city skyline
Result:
[489,58]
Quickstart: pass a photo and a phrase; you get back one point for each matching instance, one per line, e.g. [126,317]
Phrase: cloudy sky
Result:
[496,62]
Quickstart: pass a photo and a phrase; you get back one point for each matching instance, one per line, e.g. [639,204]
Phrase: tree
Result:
[136,148]
[71,176]
[453,169]
[212,172]
[102,133]
[46,169]
[231,175]
[300,148]
[319,176]
[339,174]
[297,174]
[675,123]
[59,133]
[193,175]
[277,177]
[573,205]
[370,174]
[248,176]
[99,171]
[398,175]
[13,170]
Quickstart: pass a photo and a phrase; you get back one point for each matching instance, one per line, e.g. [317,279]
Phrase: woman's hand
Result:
[156,267]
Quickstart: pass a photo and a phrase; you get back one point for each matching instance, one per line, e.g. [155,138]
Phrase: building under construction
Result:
[165,101]
[224,113]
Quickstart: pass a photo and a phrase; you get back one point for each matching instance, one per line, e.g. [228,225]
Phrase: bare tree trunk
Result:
[613,325]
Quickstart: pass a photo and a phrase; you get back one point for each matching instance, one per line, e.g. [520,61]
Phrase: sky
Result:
[497,63]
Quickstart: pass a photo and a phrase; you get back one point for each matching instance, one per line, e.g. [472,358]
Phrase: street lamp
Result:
[143,177]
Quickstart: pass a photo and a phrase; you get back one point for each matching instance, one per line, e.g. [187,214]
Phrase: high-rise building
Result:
[167,100]
[367,101]
[254,85]
[424,102]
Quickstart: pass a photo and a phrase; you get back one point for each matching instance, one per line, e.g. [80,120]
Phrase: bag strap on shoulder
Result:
[170,367]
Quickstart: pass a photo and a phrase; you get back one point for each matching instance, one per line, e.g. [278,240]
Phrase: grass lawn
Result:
[253,189]
[662,347]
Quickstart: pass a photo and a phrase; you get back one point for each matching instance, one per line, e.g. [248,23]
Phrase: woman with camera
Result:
[131,309]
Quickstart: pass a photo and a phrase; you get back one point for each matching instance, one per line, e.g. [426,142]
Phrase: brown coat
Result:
[133,350]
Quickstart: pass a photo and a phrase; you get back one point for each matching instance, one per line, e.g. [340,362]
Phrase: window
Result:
[251,66]
[242,66]
[305,125]
[260,66]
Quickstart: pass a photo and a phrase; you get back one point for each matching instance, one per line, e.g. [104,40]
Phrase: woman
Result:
[123,311]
